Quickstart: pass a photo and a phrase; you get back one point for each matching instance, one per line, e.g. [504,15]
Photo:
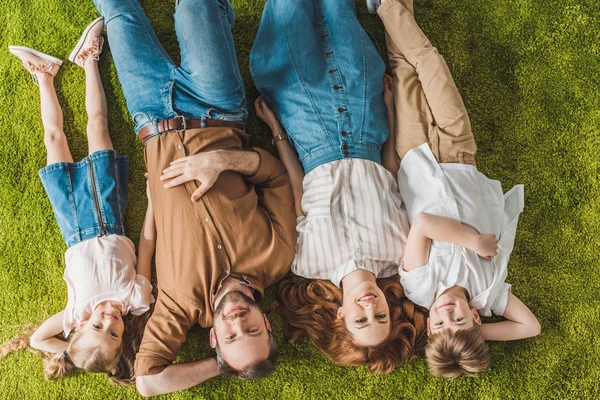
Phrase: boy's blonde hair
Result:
[455,354]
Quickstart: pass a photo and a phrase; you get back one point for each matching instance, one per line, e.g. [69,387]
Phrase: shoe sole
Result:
[82,39]
[37,53]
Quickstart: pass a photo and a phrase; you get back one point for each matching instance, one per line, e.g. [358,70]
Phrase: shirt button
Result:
[219,247]
[328,53]
[344,133]
[179,147]
[341,109]
[331,71]
[206,219]
[337,87]
[345,146]
[433,123]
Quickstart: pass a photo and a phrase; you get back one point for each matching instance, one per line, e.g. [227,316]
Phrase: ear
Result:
[476,316]
[428,326]
[267,323]
[212,338]
[340,313]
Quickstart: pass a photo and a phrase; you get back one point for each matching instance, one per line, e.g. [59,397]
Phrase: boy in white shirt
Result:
[448,200]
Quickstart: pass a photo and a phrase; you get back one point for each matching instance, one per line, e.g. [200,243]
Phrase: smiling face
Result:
[241,331]
[104,328]
[366,314]
[451,312]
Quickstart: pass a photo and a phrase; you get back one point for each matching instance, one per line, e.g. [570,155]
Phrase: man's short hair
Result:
[255,370]
[455,354]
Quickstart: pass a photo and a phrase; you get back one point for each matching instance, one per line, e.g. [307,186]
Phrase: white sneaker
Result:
[90,44]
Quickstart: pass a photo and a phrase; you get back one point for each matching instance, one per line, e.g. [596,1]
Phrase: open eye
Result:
[97,326]
[113,334]
[381,316]
[458,319]
[439,323]
[360,320]
[230,337]
[253,330]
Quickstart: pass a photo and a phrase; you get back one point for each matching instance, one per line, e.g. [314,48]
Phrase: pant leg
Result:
[145,69]
[209,72]
[452,135]
[412,113]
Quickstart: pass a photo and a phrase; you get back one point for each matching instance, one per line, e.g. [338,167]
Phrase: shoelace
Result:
[33,69]
[93,51]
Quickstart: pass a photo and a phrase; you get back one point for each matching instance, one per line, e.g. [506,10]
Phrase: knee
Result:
[54,137]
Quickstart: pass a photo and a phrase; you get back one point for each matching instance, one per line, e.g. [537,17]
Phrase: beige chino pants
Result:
[429,108]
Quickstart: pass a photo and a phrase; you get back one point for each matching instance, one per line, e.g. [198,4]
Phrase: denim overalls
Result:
[322,75]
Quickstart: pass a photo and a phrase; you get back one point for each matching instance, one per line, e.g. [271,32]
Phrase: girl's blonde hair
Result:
[311,307]
[118,366]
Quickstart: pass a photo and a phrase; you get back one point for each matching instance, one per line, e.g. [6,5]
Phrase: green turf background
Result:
[529,74]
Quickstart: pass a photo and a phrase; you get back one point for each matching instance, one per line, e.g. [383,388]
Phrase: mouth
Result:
[112,315]
[235,310]
[368,297]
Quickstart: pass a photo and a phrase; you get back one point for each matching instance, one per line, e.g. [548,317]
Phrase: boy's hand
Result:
[268,116]
[487,246]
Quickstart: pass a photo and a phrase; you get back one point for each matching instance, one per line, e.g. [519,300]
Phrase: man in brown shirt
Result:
[221,215]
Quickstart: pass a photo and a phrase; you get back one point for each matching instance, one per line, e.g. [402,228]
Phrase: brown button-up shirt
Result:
[244,227]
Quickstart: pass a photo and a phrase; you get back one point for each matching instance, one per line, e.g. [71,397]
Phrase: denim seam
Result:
[364,111]
[118,183]
[73,207]
[102,216]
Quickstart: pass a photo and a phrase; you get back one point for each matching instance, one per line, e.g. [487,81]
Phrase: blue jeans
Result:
[321,74]
[207,84]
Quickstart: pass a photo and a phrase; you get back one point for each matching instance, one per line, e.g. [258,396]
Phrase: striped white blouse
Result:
[353,218]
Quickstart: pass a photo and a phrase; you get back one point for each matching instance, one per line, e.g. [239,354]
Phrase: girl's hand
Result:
[487,246]
[268,116]
[388,94]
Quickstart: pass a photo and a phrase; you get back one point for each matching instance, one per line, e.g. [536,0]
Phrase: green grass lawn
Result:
[529,72]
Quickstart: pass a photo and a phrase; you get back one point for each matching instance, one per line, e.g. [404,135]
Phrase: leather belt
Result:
[180,124]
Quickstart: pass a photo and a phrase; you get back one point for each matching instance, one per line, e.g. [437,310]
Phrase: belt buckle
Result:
[182,122]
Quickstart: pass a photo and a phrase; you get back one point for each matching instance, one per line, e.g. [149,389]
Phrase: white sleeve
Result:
[141,296]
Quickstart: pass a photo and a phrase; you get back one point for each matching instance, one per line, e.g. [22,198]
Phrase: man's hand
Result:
[486,246]
[268,116]
[202,167]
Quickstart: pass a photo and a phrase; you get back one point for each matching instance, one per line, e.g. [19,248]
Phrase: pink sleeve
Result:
[141,296]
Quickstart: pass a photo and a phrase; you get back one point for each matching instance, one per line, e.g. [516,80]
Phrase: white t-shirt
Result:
[353,220]
[460,192]
[101,269]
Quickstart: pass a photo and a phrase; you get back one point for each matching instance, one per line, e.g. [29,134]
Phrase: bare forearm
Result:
[177,377]
[447,230]
[44,337]
[520,323]
[147,244]
[389,158]
[244,162]
[294,168]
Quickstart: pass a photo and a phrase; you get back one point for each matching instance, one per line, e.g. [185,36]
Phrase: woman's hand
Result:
[388,93]
[268,116]
[486,246]
[202,167]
